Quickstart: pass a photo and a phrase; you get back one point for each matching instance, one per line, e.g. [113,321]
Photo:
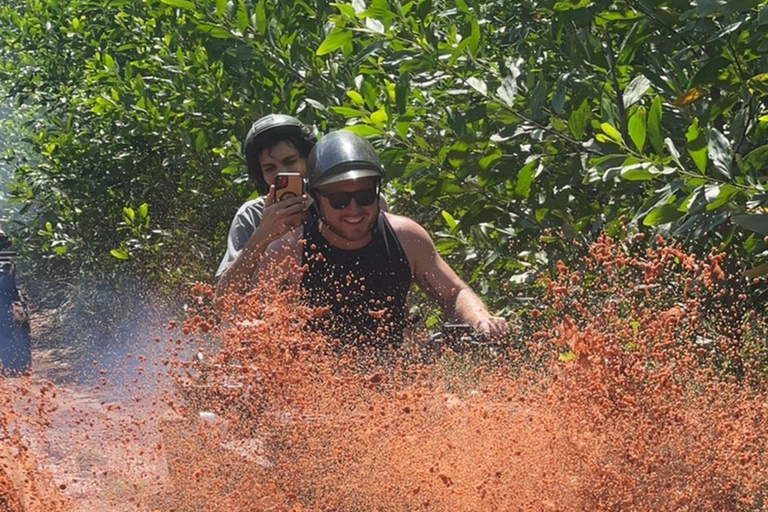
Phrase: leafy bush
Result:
[509,128]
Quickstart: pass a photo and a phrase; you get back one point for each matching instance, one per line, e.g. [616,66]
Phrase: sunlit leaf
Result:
[215,31]
[636,90]
[478,85]
[379,117]
[261,17]
[654,125]
[120,254]
[571,5]
[639,172]
[525,179]
[349,112]
[697,145]
[181,4]
[356,98]
[611,132]
[507,91]
[719,152]
[637,128]
[758,84]
[364,130]
[673,152]
[374,25]
[449,220]
[725,193]
[334,41]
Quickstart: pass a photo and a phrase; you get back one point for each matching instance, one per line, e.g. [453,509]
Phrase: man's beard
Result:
[338,229]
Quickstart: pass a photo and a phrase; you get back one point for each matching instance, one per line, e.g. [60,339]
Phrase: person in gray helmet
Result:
[275,143]
[358,263]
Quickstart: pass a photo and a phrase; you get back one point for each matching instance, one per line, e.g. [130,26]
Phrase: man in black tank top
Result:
[357,263]
[365,289]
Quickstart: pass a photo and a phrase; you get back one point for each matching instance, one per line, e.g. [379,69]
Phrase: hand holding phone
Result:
[288,184]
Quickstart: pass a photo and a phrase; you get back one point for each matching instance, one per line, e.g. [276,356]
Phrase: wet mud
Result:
[636,383]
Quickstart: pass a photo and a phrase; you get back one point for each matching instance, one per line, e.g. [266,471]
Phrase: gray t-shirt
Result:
[246,220]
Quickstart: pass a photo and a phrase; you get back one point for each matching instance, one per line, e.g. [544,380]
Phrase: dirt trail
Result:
[80,443]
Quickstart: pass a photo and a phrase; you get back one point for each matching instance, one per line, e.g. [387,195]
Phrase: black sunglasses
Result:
[340,200]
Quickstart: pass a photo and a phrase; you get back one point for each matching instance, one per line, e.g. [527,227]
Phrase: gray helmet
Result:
[270,130]
[341,156]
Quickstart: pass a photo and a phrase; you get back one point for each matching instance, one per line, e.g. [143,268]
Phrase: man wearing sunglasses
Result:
[358,263]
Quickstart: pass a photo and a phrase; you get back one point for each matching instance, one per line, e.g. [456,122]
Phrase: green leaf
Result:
[662,215]
[478,85]
[635,90]
[349,112]
[473,41]
[215,31]
[507,91]
[697,145]
[402,90]
[130,214]
[654,126]
[639,172]
[120,254]
[706,7]
[757,223]
[334,41]
[261,17]
[364,130]
[374,25]
[568,5]
[449,220]
[109,62]
[611,132]
[242,16]
[181,4]
[490,159]
[379,117]
[580,119]
[356,98]
[725,193]
[724,31]
[637,128]
[709,71]
[756,160]
[525,179]
[143,210]
[673,152]
[719,152]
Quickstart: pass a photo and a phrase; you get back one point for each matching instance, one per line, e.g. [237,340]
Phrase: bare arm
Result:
[278,265]
[440,282]
[277,219]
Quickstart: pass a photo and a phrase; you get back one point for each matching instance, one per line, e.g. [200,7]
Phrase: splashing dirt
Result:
[639,386]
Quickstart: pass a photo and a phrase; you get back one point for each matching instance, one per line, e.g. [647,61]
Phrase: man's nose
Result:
[353,206]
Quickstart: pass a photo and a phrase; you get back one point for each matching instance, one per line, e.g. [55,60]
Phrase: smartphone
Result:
[288,184]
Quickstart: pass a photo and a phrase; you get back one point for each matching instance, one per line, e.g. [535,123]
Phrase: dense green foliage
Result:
[509,128]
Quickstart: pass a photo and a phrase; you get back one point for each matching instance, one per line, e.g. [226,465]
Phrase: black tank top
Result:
[365,289]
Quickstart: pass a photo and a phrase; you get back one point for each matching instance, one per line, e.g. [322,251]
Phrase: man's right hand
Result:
[279,217]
